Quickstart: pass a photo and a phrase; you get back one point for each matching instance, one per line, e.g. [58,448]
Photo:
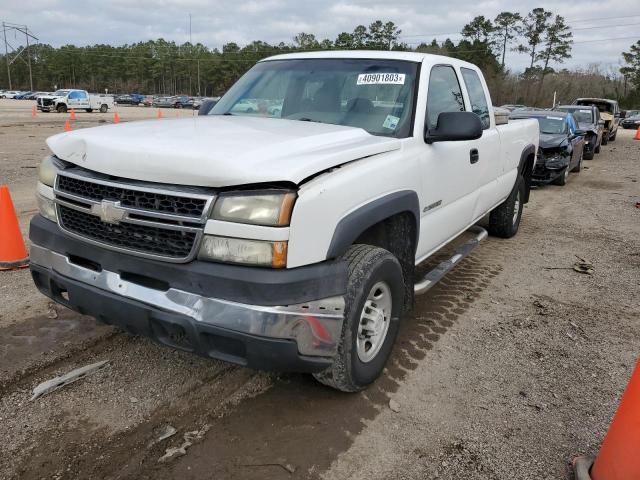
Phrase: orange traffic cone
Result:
[618,457]
[67,126]
[34,111]
[637,137]
[159,115]
[116,117]
[13,253]
[73,115]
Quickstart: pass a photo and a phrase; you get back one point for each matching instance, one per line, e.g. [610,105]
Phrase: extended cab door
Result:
[448,169]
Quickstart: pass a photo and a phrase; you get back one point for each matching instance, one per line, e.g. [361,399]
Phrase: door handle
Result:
[474,156]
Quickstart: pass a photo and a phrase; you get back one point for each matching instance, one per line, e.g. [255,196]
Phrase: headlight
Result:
[47,208]
[259,208]
[248,252]
[47,171]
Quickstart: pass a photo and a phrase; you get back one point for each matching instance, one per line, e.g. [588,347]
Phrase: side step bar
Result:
[435,275]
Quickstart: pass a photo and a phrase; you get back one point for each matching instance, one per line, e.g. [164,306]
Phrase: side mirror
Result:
[454,126]
[206,106]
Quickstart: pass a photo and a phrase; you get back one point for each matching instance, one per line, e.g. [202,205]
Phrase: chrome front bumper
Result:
[314,326]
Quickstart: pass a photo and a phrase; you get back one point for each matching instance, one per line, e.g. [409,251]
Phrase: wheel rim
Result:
[516,208]
[374,322]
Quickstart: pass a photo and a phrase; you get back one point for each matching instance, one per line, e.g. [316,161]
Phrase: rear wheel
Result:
[103,108]
[88,110]
[504,220]
[373,306]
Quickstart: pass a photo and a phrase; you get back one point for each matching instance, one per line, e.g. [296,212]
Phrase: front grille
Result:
[141,218]
[45,101]
[155,201]
[139,238]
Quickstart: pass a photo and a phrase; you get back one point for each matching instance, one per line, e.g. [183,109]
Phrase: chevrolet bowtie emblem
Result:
[109,211]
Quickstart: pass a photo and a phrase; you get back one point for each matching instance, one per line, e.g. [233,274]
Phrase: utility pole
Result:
[17,52]
[6,53]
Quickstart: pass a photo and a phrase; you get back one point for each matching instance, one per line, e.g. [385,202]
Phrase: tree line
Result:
[161,66]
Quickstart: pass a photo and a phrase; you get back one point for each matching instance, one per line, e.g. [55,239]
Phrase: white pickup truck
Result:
[283,238]
[62,100]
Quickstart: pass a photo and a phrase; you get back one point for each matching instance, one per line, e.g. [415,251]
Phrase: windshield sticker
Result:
[391,122]
[585,111]
[555,118]
[381,79]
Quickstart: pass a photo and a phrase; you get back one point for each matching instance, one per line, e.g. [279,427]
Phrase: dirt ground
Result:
[507,369]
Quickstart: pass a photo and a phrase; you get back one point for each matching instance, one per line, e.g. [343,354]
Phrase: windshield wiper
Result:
[306,119]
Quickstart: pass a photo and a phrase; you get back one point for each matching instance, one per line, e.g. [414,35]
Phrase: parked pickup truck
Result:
[284,238]
[66,99]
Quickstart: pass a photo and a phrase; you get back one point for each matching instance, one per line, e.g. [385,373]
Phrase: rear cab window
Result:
[479,104]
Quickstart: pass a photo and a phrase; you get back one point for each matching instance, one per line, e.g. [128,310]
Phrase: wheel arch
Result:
[525,168]
[391,222]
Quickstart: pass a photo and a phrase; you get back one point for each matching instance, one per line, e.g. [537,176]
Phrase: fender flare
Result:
[351,226]
[526,153]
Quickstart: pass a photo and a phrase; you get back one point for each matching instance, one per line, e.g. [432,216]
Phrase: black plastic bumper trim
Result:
[250,285]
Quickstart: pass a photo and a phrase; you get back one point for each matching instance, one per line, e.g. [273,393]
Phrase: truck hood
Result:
[550,140]
[217,151]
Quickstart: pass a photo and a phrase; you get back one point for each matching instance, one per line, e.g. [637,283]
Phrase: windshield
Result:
[375,95]
[552,125]
[582,115]
[602,106]
[61,93]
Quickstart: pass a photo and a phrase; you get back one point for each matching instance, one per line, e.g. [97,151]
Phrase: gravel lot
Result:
[510,367]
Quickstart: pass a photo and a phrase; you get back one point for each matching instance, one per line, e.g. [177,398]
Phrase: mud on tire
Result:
[504,220]
[367,267]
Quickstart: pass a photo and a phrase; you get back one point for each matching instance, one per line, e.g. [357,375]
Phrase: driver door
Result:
[448,169]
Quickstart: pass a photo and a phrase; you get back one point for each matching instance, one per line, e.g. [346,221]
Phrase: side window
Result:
[73,95]
[82,95]
[444,94]
[479,104]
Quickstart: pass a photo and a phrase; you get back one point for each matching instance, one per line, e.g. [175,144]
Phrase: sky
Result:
[602,29]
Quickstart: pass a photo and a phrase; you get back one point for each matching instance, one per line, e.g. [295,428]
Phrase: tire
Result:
[589,156]
[562,179]
[177,105]
[504,220]
[371,271]
[578,167]
[605,139]
[62,108]
[613,137]
[597,149]
[88,110]
[103,108]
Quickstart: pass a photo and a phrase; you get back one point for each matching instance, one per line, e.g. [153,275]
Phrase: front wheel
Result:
[504,220]
[561,180]
[88,110]
[373,306]
[62,108]
[597,149]
[613,137]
